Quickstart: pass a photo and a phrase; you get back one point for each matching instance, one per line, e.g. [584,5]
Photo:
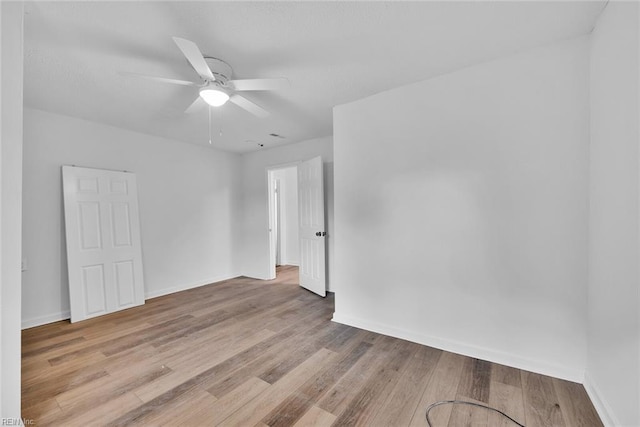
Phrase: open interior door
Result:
[104,255]
[312,231]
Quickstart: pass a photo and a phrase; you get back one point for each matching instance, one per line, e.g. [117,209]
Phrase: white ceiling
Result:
[331,52]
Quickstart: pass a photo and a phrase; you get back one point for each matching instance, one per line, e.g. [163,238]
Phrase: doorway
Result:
[283,218]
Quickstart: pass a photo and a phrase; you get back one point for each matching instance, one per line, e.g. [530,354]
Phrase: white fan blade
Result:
[254,109]
[158,79]
[196,106]
[260,84]
[195,58]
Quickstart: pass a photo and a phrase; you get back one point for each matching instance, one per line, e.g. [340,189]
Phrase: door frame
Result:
[277,219]
[270,215]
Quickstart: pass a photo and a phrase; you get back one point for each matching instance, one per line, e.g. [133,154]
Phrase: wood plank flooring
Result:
[245,352]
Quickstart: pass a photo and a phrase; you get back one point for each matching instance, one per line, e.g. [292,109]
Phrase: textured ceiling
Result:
[331,52]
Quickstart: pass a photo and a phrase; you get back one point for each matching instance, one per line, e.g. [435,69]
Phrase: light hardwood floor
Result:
[246,352]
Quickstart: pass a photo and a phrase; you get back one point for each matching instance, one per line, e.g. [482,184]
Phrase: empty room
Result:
[316,213]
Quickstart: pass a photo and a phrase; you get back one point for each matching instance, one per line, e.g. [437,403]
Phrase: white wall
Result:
[461,210]
[255,209]
[289,243]
[10,205]
[613,361]
[188,196]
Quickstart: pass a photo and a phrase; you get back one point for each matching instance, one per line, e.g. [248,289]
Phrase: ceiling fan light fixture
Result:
[214,97]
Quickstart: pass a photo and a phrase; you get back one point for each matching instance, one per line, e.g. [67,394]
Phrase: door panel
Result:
[103,241]
[120,224]
[87,185]
[125,279]
[118,186]
[90,225]
[94,291]
[311,223]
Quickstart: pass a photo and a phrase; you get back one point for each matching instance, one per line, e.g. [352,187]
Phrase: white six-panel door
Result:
[311,223]
[104,254]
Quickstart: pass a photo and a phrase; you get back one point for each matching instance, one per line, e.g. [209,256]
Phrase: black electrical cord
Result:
[463,402]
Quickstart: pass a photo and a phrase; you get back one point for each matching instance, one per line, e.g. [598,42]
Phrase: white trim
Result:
[43,320]
[251,276]
[538,366]
[174,289]
[283,165]
[270,226]
[294,264]
[65,315]
[637,177]
[599,402]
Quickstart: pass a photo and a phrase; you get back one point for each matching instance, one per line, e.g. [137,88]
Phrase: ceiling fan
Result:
[217,87]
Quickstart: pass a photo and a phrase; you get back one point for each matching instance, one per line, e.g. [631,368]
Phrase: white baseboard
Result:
[64,315]
[174,289]
[250,276]
[600,403]
[540,367]
[43,320]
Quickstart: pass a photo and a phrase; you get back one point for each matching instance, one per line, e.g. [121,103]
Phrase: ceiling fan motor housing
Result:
[220,69]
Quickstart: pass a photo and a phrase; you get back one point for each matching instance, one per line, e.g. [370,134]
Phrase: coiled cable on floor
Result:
[463,402]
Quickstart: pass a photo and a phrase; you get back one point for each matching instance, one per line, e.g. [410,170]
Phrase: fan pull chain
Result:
[210,125]
[220,123]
